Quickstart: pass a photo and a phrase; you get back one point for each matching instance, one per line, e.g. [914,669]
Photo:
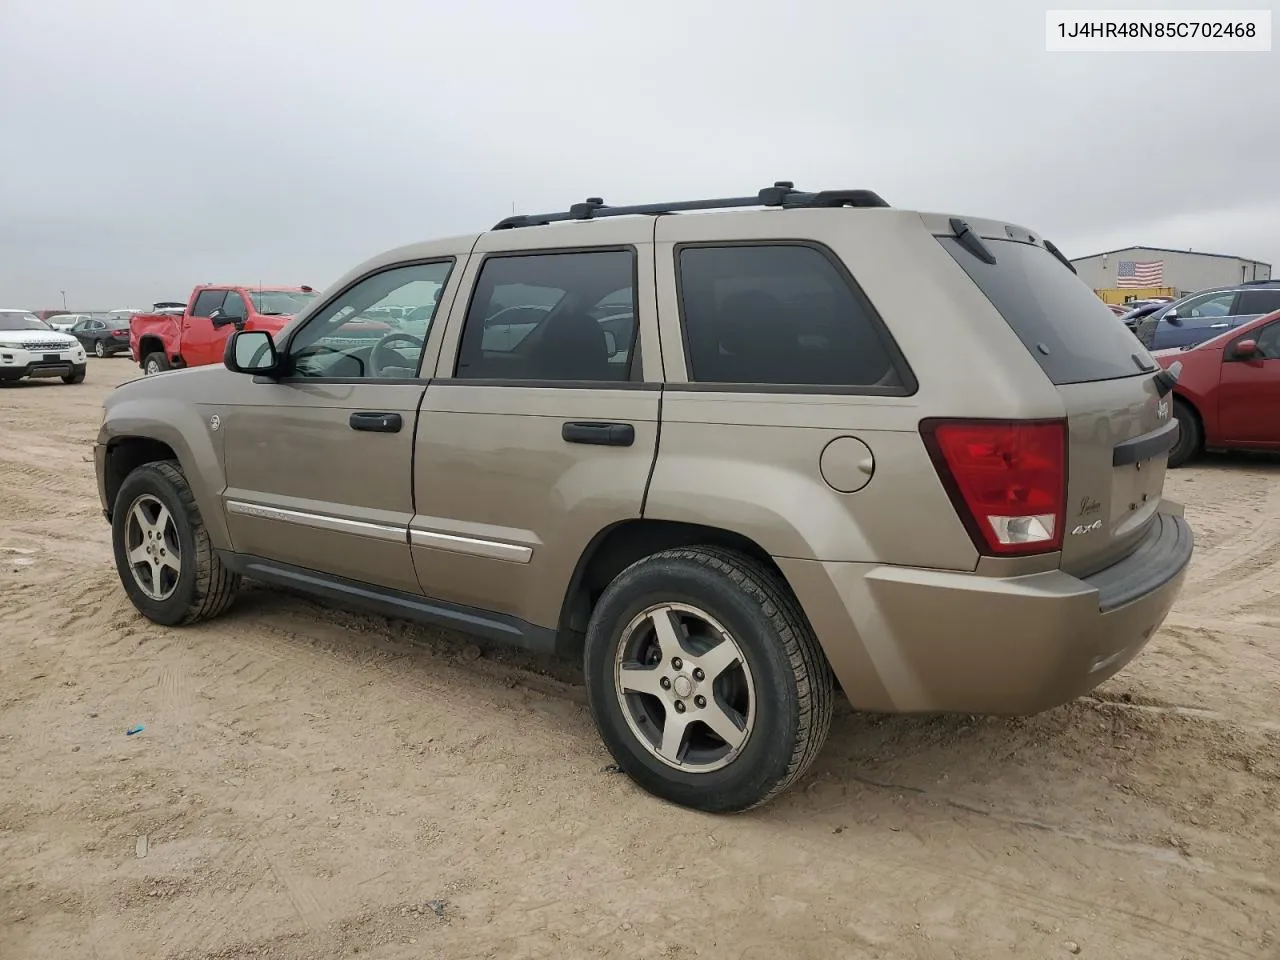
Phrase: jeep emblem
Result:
[215,422]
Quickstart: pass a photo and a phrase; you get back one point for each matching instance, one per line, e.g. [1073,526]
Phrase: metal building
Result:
[1118,274]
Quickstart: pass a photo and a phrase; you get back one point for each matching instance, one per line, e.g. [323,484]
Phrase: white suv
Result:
[29,347]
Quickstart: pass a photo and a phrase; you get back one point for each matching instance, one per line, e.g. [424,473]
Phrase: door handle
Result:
[601,434]
[376,422]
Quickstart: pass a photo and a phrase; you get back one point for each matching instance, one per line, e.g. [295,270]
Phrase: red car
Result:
[1228,394]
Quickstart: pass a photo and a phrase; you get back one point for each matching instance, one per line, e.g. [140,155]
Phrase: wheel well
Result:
[149,345]
[1179,398]
[616,548]
[127,454]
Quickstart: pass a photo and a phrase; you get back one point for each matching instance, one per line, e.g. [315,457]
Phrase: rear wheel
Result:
[154,363]
[98,349]
[1189,434]
[705,680]
[163,555]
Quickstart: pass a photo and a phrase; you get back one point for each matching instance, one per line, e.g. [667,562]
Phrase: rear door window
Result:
[556,316]
[1061,322]
[1256,302]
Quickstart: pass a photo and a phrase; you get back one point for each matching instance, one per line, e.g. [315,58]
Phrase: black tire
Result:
[99,350]
[158,359]
[204,587]
[1190,435]
[790,675]
[77,377]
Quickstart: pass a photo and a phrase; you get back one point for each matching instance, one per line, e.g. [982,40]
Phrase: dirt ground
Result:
[315,784]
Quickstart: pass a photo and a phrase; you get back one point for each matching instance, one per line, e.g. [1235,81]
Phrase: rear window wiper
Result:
[971,241]
[1053,248]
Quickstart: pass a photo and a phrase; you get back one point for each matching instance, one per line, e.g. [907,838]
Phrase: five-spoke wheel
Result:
[151,539]
[684,687]
[705,680]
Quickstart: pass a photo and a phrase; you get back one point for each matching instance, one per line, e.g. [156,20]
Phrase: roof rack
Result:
[781,194]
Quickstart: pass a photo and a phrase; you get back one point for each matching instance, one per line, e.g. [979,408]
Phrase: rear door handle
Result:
[601,434]
[376,422]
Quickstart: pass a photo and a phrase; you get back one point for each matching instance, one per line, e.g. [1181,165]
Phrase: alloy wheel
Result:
[684,687]
[151,544]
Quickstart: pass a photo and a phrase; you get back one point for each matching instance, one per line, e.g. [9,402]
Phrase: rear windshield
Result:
[1061,322]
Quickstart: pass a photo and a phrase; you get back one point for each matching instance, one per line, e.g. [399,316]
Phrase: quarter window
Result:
[355,336]
[208,301]
[778,314]
[557,317]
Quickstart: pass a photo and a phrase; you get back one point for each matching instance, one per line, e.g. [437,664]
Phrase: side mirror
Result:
[1171,316]
[1246,350]
[221,319]
[251,351]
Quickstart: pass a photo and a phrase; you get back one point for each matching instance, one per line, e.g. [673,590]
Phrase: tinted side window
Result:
[233,307]
[1269,341]
[208,301]
[778,314]
[556,316]
[1258,302]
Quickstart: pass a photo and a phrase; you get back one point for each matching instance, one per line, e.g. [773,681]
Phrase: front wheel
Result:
[705,680]
[1189,434]
[163,555]
[77,377]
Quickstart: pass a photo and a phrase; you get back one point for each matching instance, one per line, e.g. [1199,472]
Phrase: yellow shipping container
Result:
[1125,294]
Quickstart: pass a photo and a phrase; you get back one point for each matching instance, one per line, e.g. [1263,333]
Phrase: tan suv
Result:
[731,458]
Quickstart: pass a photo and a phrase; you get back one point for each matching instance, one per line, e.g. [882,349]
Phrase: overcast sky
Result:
[150,145]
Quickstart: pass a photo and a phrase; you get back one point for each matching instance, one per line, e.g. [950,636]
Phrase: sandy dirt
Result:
[315,784]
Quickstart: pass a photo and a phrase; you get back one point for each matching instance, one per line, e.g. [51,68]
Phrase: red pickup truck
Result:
[197,336]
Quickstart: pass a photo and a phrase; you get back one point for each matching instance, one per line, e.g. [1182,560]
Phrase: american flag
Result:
[1140,273]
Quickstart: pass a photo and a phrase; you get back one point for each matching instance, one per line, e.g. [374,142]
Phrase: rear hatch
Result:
[1119,426]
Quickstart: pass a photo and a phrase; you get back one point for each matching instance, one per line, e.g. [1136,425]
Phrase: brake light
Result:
[1007,480]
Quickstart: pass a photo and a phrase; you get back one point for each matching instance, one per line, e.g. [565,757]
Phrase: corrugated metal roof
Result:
[1194,253]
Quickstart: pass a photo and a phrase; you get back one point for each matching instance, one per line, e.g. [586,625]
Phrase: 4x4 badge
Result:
[215,422]
[1162,410]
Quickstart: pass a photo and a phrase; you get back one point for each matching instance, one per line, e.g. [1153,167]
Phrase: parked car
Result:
[29,347]
[1119,309]
[1199,316]
[1228,392]
[63,322]
[832,500]
[197,335]
[103,336]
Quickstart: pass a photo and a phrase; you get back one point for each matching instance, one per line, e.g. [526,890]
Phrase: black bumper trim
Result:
[1161,556]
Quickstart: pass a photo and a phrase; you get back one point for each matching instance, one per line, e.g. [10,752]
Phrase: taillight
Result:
[1007,480]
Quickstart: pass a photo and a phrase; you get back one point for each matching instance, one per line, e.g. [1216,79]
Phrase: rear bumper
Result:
[906,640]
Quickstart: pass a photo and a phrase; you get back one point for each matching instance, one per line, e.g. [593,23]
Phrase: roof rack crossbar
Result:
[781,194]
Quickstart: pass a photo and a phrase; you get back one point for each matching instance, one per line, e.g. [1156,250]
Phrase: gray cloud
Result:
[156,145]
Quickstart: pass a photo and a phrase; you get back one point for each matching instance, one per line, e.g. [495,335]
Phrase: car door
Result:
[80,330]
[319,461]
[1249,391]
[540,428]
[199,336]
[1195,320]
